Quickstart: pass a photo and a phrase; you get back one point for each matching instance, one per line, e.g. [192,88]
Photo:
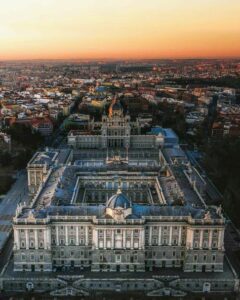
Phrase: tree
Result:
[24,135]
[5,184]
[21,159]
[5,158]
[222,162]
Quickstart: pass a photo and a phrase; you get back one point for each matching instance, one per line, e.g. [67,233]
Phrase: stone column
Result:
[57,236]
[143,238]
[180,236]
[36,238]
[150,236]
[220,239]
[201,239]
[210,239]
[16,239]
[95,238]
[132,246]
[104,239]
[66,235]
[189,241]
[48,239]
[45,238]
[170,236]
[27,238]
[159,235]
[113,239]
[77,236]
[124,239]
[86,235]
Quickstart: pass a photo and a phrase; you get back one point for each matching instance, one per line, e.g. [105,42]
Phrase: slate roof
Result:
[118,200]
[138,211]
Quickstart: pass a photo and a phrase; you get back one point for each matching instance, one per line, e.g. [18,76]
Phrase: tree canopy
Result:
[222,162]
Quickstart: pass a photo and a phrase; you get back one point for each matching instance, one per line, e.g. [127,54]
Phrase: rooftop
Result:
[137,210]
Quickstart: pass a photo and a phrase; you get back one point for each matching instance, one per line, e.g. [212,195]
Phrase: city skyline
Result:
[127,29]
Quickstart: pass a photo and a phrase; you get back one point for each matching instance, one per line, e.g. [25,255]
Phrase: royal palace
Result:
[125,205]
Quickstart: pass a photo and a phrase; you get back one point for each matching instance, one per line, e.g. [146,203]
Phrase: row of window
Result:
[71,242]
[155,254]
[81,228]
[32,257]
[204,257]
[165,242]
[31,245]
[205,245]
[30,230]
[72,253]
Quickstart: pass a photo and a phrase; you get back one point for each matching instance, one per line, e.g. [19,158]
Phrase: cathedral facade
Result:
[117,131]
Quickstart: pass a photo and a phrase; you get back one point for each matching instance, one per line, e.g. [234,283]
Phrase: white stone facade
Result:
[116,132]
[120,244]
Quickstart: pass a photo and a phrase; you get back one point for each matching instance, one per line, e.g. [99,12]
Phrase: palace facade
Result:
[120,202]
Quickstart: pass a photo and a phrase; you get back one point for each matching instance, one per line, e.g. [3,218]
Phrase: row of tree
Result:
[222,162]
[27,142]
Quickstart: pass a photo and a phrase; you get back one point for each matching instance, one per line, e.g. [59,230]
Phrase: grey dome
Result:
[118,200]
[117,106]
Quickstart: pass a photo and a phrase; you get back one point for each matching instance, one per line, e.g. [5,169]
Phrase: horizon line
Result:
[122,59]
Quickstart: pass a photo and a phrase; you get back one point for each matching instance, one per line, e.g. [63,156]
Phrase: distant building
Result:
[43,126]
[116,132]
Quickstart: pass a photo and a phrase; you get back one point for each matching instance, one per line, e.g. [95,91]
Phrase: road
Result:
[232,234]
[214,197]
[18,193]
[6,253]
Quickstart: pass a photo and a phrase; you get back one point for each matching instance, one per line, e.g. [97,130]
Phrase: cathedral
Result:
[117,132]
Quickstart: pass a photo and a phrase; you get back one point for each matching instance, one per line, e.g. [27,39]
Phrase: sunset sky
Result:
[84,29]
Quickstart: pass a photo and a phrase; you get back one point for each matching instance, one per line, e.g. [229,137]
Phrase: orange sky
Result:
[82,29]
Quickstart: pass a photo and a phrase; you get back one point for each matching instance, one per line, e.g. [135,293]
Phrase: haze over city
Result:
[126,29]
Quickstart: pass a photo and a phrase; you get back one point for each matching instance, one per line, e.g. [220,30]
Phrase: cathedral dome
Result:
[116,106]
[119,200]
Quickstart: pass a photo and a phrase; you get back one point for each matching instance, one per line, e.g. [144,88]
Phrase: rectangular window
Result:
[118,258]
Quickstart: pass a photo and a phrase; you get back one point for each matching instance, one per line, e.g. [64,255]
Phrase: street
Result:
[18,193]
[232,234]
